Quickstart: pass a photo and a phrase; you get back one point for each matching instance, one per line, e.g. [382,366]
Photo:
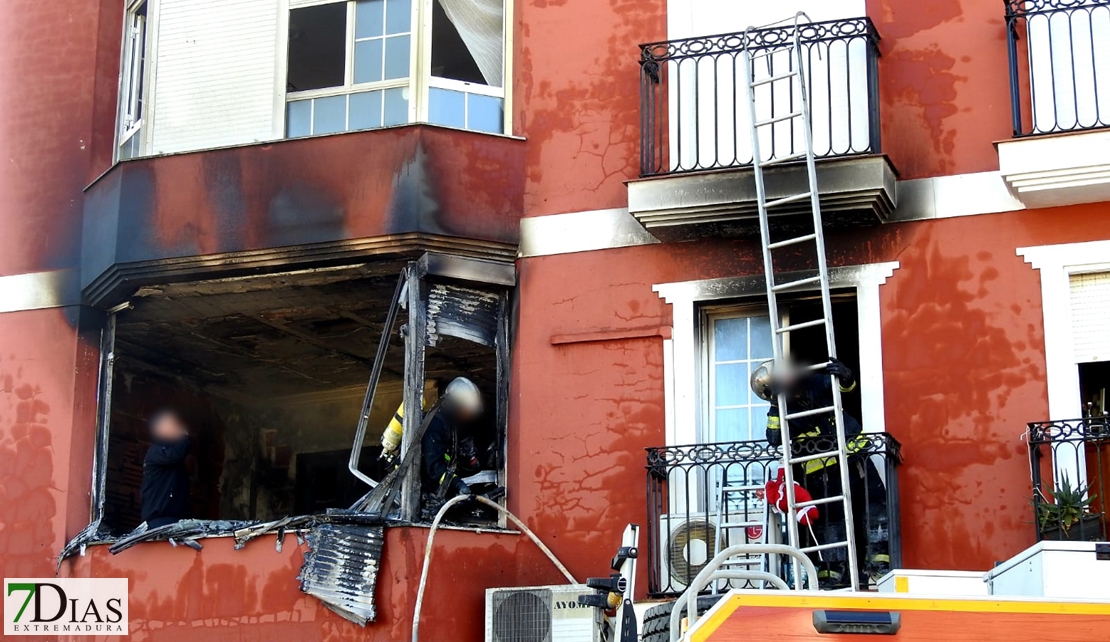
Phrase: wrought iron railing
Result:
[685,504]
[693,109]
[1070,463]
[1059,65]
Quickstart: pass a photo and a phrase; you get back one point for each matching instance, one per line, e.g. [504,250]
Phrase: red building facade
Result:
[966,281]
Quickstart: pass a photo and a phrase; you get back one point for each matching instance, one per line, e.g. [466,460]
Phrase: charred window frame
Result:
[445,296]
[365,64]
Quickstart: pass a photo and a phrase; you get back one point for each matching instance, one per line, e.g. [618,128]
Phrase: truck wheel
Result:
[657,619]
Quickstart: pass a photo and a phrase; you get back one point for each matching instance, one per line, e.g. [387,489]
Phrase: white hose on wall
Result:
[431,537]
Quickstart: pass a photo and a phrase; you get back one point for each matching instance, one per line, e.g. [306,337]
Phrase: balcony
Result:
[1070,463]
[686,504]
[696,156]
[1059,55]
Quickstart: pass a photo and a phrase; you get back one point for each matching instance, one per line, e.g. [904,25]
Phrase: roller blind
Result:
[216,73]
[1090,316]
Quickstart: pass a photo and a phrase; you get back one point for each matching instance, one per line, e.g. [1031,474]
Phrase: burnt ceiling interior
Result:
[257,338]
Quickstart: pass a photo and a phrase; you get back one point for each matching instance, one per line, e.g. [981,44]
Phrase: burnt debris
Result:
[341,569]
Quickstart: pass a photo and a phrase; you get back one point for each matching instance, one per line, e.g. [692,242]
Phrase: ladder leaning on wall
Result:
[797,115]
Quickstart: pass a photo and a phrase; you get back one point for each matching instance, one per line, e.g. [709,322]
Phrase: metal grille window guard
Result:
[684,488]
[692,111]
[1059,54]
[1070,464]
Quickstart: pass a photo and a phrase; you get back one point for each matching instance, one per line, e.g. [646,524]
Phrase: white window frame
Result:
[707,339]
[349,86]
[127,124]
[1057,264]
[684,418]
[420,79]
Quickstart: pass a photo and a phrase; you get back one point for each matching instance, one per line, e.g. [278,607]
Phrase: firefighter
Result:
[448,448]
[821,477]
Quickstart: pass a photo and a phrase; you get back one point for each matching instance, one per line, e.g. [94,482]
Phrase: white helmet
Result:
[462,394]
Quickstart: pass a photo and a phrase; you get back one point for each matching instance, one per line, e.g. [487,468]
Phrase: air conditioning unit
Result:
[688,542]
[543,614]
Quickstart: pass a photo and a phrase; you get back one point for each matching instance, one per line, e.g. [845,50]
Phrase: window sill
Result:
[477,530]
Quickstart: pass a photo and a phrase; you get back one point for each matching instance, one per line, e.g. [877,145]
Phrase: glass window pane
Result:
[732,425]
[761,338]
[730,339]
[398,16]
[366,110]
[731,384]
[369,18]
[396,106]
[317,47]
[484,114]
[298,118]
[329,115]
[396,57]
[368,61]
[446,107]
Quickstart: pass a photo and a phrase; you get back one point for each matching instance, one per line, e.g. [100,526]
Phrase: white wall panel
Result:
[1090,316]
[216,77]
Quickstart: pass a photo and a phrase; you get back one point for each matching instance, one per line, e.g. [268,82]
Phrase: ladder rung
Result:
[741,489]
[824,547]
[800,326]
[818,502]
[782,159]
[770,79]
[778,119]
[794,241]
[832,454]
[744,562]
[816,366]
[789,199]
[796,284]
[809,413]
[766,53]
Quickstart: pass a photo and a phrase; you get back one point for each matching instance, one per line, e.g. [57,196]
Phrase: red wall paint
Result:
[944,88]
[223,594]
[38,490]
[576,97]
[46,80]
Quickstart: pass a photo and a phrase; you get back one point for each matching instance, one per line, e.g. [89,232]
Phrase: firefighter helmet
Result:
[761,380]
[464,396]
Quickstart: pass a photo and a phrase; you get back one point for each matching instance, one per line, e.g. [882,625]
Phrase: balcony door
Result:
[708,109]
[1069,64]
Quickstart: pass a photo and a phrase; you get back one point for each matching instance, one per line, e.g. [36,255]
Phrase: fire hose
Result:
[431,537]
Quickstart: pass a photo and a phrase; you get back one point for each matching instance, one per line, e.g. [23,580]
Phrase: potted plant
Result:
[1067,515]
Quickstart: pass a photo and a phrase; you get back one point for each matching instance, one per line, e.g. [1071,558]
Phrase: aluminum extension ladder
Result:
[796,76]
[725,525]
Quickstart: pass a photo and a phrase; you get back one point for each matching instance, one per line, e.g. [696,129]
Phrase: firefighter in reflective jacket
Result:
[821,477]
[448,449]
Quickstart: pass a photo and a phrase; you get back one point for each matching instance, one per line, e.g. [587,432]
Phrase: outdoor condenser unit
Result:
[542,614]
[689,541]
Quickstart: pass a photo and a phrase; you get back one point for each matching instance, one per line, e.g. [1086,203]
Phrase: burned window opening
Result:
[443,316]
[272,371]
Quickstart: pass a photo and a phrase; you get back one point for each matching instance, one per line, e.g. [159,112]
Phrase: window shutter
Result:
[1090,316]
[216,74]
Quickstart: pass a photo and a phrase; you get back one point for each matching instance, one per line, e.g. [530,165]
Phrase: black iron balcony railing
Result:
[686,504]
[1059,65]
[1070,462]
[694,113]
